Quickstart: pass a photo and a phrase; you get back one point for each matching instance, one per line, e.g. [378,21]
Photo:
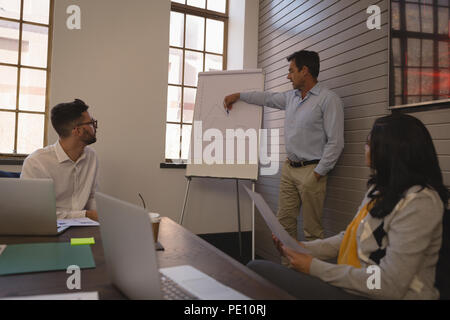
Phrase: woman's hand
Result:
[299,261]
[277,244]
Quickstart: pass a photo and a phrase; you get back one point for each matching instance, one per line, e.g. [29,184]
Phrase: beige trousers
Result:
[299,187]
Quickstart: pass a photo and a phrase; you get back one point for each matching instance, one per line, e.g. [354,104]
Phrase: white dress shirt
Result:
[75,183]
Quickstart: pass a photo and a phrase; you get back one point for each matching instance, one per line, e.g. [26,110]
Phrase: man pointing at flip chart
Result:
[314,139]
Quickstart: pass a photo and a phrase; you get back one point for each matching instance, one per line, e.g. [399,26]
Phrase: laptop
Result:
[28,207]
[130,256]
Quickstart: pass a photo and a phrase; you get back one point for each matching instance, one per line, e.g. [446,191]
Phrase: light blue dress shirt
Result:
[313,126]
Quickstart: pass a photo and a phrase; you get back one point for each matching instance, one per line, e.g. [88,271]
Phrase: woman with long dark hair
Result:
[391,247]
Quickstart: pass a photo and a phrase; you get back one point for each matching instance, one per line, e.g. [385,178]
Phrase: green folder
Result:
[38,257]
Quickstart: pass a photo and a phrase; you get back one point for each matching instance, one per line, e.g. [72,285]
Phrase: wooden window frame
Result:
[207,14]
[19,66]
[403,35]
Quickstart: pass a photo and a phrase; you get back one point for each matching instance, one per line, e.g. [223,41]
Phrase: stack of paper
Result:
[78,222]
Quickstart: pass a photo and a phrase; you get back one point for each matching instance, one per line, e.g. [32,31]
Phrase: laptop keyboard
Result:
[172,291]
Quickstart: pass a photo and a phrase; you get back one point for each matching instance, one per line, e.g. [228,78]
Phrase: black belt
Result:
[302,163]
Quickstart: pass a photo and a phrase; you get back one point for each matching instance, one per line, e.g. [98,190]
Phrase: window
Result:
[198,32]
[420,55]
[25,29]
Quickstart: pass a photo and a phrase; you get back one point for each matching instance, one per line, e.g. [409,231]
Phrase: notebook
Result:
[130,255]
[38,257]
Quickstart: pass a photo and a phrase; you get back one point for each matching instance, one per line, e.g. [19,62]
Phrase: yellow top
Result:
[348,252]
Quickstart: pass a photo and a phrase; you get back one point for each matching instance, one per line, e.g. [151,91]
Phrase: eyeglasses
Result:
[93,122]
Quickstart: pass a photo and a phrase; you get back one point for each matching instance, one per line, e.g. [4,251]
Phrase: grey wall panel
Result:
[446,176]
[433,117]
[356,136]
[362,111]
[366,98]
[282,29]
[438,123]
[359,124]
[309,23]
[377,83]
[362,63]
[439,131]
[267,7]
[287,11]
[356,77]
[347,183]
[347,208]
[359,172]
[354,148]
[352,160]
[444,163]
[442,147]
[338,193]
[320,36]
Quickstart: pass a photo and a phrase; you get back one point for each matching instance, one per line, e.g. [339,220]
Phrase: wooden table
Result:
[181,247]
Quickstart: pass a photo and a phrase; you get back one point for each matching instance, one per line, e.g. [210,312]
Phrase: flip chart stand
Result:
[189,178]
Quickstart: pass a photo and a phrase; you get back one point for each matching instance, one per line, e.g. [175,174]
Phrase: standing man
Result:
[70,163]
[314,139]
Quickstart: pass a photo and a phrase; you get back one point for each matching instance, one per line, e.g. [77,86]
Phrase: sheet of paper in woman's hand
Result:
[273,224]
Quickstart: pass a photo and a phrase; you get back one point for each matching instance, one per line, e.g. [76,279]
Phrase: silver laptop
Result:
[130,255]
[28,207]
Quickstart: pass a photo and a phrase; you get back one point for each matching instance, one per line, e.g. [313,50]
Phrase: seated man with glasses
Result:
[70,163]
